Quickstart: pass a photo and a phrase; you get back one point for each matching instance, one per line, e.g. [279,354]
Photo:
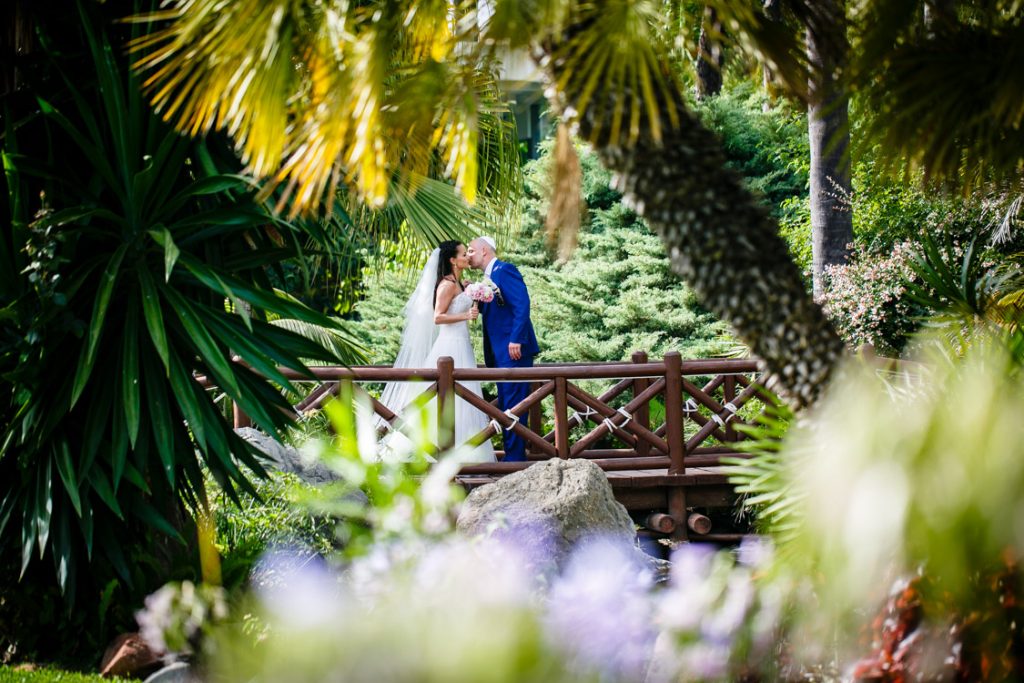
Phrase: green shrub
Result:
[614,296]
[868,302]
[248,529]
[768,148]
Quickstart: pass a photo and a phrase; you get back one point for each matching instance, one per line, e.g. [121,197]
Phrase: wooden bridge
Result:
[659,429]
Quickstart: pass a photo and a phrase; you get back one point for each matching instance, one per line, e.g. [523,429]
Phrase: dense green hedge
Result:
[614,296]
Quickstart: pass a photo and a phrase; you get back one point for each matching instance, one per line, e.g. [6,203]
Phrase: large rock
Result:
[287,459]
[548,508]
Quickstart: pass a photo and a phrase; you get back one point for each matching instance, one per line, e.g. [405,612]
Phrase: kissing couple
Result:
[437,319]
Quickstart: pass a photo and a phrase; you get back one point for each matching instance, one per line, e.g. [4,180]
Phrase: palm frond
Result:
[763,479]
[327,99]
[948,101]
[340,343]
[616,46]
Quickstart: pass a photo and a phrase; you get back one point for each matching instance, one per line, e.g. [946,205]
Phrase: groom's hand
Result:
[515,351]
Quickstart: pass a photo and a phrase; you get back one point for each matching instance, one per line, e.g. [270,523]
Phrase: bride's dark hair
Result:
[449,249]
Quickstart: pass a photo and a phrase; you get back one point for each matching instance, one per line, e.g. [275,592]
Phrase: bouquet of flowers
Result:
[480,292]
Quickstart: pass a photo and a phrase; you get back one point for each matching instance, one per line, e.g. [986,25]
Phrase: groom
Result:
[509,340]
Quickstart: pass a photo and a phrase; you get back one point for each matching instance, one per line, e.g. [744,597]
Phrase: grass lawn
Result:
[46,675]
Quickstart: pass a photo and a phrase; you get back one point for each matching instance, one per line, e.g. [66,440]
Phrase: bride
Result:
[437,317]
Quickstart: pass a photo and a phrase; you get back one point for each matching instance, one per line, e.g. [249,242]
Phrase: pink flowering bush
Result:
[868,302]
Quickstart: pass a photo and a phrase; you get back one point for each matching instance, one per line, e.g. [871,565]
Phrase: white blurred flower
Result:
[175,615]
[155,618]
[756,552]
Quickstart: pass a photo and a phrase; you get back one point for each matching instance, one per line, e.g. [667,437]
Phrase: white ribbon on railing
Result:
[581,418]
[497,425]
[690,406]
[611,426]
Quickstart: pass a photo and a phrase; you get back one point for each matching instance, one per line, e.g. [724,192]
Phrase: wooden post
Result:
[642,416]
[561,418]
[677,510]
[445,403]
[674,416]
[240,418]
[536,417]
[728,395]
[676,442]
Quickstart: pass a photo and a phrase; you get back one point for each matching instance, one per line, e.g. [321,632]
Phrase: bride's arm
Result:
[445,293]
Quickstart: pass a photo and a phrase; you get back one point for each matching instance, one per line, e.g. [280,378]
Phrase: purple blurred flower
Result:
[298,588]
[601,611]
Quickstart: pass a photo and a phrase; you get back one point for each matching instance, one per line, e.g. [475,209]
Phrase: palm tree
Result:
[319,96]
[828,128]
[710,57]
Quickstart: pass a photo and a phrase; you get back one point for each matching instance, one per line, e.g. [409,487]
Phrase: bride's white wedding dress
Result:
[453,340]
[423,343]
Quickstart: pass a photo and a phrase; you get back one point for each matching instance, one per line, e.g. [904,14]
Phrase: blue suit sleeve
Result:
[513,288]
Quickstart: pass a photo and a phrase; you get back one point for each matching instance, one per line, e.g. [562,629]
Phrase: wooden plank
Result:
[490,411]
[728,394]
[607,412]
[642,499]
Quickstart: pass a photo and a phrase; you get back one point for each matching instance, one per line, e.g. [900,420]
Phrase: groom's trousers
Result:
[510,394]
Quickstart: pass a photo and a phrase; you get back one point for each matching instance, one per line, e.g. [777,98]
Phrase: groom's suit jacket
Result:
[507,318]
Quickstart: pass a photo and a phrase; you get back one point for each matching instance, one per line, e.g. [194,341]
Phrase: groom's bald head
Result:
[481,252]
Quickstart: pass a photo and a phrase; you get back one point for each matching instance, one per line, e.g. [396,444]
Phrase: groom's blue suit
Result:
[507,321]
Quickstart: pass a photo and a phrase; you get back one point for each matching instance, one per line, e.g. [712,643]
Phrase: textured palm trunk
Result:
[828,131]
[710,58]
[718,236]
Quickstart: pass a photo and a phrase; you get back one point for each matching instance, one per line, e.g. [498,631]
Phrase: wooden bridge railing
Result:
[655,427]
[613,428]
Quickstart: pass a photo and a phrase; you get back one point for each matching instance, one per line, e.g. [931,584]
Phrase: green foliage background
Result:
[614,296]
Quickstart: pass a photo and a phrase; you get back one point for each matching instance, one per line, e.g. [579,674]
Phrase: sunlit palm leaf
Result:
[217,64]
[617,47]
[340,343]
[319,98]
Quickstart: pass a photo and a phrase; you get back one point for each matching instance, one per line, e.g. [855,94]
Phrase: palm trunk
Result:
[828,129]
[718,236]
[16,42]
[773,13]
[710,58]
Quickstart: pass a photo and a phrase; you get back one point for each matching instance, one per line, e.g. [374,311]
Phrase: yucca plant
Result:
[975,292]
[132,266]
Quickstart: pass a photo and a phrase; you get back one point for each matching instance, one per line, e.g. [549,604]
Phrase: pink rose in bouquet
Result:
[480,292]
